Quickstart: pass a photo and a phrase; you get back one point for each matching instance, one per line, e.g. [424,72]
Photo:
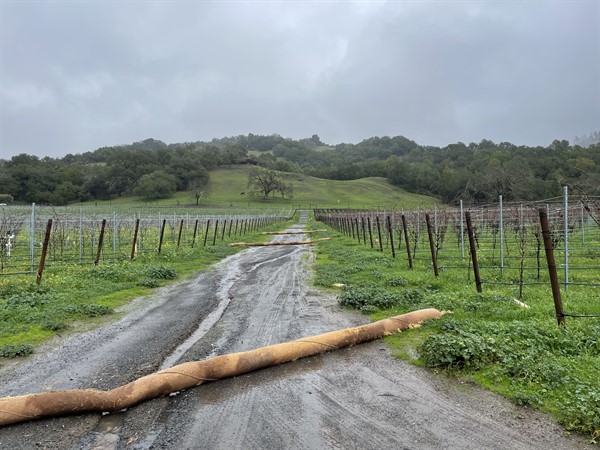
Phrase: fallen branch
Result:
[291,232]
[187,375]
[268,244]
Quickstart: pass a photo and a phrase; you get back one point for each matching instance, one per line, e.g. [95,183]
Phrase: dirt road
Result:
[357,398]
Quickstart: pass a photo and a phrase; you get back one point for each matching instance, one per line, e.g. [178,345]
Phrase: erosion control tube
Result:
[190,374]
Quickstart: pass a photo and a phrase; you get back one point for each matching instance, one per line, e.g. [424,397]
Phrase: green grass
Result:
[227,183]
[517,352]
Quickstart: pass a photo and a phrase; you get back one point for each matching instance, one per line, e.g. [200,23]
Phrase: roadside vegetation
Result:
[488,339]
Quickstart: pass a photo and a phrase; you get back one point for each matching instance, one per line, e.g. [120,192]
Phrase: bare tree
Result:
[199,184]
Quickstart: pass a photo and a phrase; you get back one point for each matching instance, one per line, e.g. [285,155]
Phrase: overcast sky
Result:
[78,75]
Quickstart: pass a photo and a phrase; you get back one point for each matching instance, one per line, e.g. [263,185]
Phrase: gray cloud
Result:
[79,75]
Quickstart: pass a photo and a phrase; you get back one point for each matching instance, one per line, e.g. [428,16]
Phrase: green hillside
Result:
[228,183]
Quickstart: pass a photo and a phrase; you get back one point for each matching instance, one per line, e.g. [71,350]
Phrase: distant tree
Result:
[559,145]
[267,159]
[266,181]
[312,142]
[34,178]
[97,185]
[258,142]
[72,172]
[286,190]
[200,185]
[510,180]
[155,185]
[148,144]
[6,198]
[285,166]
[210,157]
[7,182]
[65,192]
[184,165]
[233,154]
[121,179]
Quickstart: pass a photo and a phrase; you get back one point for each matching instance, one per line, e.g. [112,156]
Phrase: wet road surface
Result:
[356,398]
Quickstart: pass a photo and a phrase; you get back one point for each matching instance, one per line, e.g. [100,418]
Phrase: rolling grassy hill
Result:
[228,183]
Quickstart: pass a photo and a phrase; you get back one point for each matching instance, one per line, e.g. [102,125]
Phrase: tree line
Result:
[475,172]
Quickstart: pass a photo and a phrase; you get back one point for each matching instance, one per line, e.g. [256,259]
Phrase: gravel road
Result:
[357,398]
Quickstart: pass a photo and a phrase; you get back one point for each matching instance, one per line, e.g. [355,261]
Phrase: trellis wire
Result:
[83,225]
[503,221]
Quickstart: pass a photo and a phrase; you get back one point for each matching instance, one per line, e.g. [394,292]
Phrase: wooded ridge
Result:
[475,172]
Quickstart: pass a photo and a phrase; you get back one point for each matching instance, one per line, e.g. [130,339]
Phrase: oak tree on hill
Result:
[266,181]
[155,185]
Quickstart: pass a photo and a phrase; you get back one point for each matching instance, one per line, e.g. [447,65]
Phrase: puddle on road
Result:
[107,432]
[153,434]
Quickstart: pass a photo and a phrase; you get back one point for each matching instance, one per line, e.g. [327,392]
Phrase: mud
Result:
[355,398]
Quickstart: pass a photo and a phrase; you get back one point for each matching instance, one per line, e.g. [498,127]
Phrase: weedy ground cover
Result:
[489,338]
[72,296]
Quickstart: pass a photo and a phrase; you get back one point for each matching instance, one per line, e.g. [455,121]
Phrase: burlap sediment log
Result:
[187,375]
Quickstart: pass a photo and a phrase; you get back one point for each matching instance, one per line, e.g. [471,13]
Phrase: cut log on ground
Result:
[292,232]
[269,244]
[187,375]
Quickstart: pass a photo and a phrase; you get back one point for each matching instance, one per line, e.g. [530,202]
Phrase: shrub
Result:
[368,298]
[161,272]
[149,282]
[12,351]
[95,310]
[53,325]
[31,299]
[580,410]
[116,273]
[396,281]
[458,349]
[91,310]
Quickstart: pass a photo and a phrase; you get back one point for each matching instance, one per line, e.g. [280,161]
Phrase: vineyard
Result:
[508,273]
[78,235]
[506,252]
[63,268]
